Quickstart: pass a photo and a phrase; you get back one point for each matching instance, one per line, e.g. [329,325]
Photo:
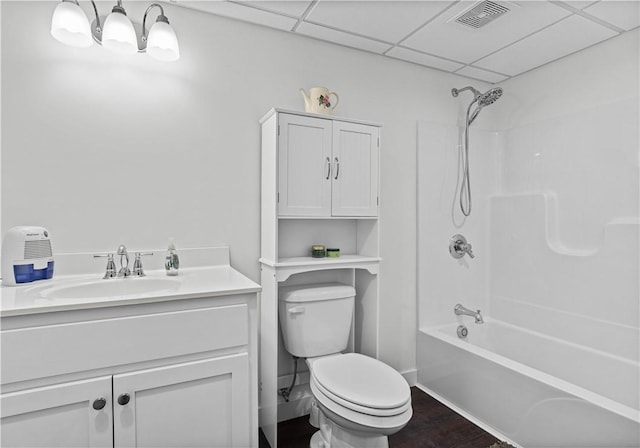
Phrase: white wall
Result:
[602,74]
[103,149]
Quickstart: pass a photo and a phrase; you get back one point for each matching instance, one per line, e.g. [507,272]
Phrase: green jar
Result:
[333,252]
[318,251]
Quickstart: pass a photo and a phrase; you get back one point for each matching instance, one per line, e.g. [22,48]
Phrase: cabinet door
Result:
[355,169]
[59,416]
[304,164]
[195,404]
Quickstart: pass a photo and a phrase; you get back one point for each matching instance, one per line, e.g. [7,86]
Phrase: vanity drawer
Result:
[50,350]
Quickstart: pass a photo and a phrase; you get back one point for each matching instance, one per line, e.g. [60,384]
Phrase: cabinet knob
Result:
[99,403]
[123,399]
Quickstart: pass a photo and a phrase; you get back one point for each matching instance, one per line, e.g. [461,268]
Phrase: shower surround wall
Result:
[555,232]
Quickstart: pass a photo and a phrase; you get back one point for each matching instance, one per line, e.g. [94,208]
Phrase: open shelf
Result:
[293,265]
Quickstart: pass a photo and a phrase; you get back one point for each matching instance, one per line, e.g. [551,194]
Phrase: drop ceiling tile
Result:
[578,4]
[477,73]
[389,21]
[563,38]
[444,37]
[291,8]
[241,12]
[423,59]
[339,37]
[623,14]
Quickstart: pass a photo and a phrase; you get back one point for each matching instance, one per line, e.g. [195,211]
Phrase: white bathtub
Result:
[535,390]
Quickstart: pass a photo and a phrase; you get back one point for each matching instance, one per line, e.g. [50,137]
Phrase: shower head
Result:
[489,97]
[484,99]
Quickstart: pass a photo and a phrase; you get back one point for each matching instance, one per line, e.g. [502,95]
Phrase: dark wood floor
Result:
[433,425]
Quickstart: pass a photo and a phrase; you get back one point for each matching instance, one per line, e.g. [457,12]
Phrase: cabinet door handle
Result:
[337,168]
[123,399]
[328,168]
[99,403]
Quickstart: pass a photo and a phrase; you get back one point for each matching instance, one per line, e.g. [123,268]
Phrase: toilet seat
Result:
[359,421]
[360,391]
[358,408]
[361,382]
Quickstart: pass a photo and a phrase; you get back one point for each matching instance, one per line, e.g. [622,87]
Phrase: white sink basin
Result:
[110,288]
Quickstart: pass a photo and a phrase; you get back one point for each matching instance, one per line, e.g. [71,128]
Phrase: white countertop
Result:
[197,282]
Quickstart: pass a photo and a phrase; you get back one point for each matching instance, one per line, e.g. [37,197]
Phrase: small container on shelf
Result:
[318,251]
[333,252]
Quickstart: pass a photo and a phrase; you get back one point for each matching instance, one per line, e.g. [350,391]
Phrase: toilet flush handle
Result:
[296,310]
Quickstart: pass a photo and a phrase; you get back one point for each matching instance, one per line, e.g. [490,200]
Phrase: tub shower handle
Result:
[458,247]
[468,250]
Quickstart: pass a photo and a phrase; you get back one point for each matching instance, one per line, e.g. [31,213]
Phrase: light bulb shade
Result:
[118,34]
[70,25]
[162,43]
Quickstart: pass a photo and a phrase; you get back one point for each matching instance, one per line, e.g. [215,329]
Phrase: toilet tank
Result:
[316,319]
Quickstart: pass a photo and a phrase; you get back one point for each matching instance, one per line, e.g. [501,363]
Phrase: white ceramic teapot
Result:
[317,101]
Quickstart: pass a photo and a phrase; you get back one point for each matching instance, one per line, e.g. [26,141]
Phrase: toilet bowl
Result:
[358,400]
[362,396]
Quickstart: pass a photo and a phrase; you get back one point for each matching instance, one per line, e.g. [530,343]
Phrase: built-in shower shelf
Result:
[536,217]
[288,266]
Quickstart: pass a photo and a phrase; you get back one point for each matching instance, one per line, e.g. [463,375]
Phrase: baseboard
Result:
[299,403]
[497,434]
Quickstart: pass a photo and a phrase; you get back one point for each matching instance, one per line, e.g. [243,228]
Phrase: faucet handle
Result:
[467,249]
[137,264]
[111,265]
[458,247]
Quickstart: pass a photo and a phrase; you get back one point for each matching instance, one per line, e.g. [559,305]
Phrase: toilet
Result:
[358,400]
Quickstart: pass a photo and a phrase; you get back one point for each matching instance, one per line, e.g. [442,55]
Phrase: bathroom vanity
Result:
[320,185]
[162,362]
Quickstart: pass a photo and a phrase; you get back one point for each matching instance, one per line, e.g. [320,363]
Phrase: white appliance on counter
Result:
[26,255]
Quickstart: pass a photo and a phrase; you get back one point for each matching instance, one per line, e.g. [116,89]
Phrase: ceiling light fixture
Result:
[70,26]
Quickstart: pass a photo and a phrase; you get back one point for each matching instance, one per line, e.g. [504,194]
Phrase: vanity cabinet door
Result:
[75,414]
[355,173]
[196,404]
[304,165]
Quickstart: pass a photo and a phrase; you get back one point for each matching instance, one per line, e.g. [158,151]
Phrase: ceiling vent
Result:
[481,14]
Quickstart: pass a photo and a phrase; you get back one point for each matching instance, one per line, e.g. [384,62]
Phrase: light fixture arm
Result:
[161,18]
[95,11]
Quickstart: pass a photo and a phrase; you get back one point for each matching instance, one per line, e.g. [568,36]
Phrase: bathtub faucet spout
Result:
[460,310]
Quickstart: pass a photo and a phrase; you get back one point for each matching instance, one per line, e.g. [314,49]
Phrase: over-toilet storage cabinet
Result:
[175,373]
[326,167]
[320,185]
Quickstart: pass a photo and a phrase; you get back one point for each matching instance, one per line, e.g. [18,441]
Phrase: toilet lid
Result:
[362,380]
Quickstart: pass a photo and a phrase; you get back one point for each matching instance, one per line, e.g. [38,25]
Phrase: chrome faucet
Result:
[124,267]
[124,264]
[460,310]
